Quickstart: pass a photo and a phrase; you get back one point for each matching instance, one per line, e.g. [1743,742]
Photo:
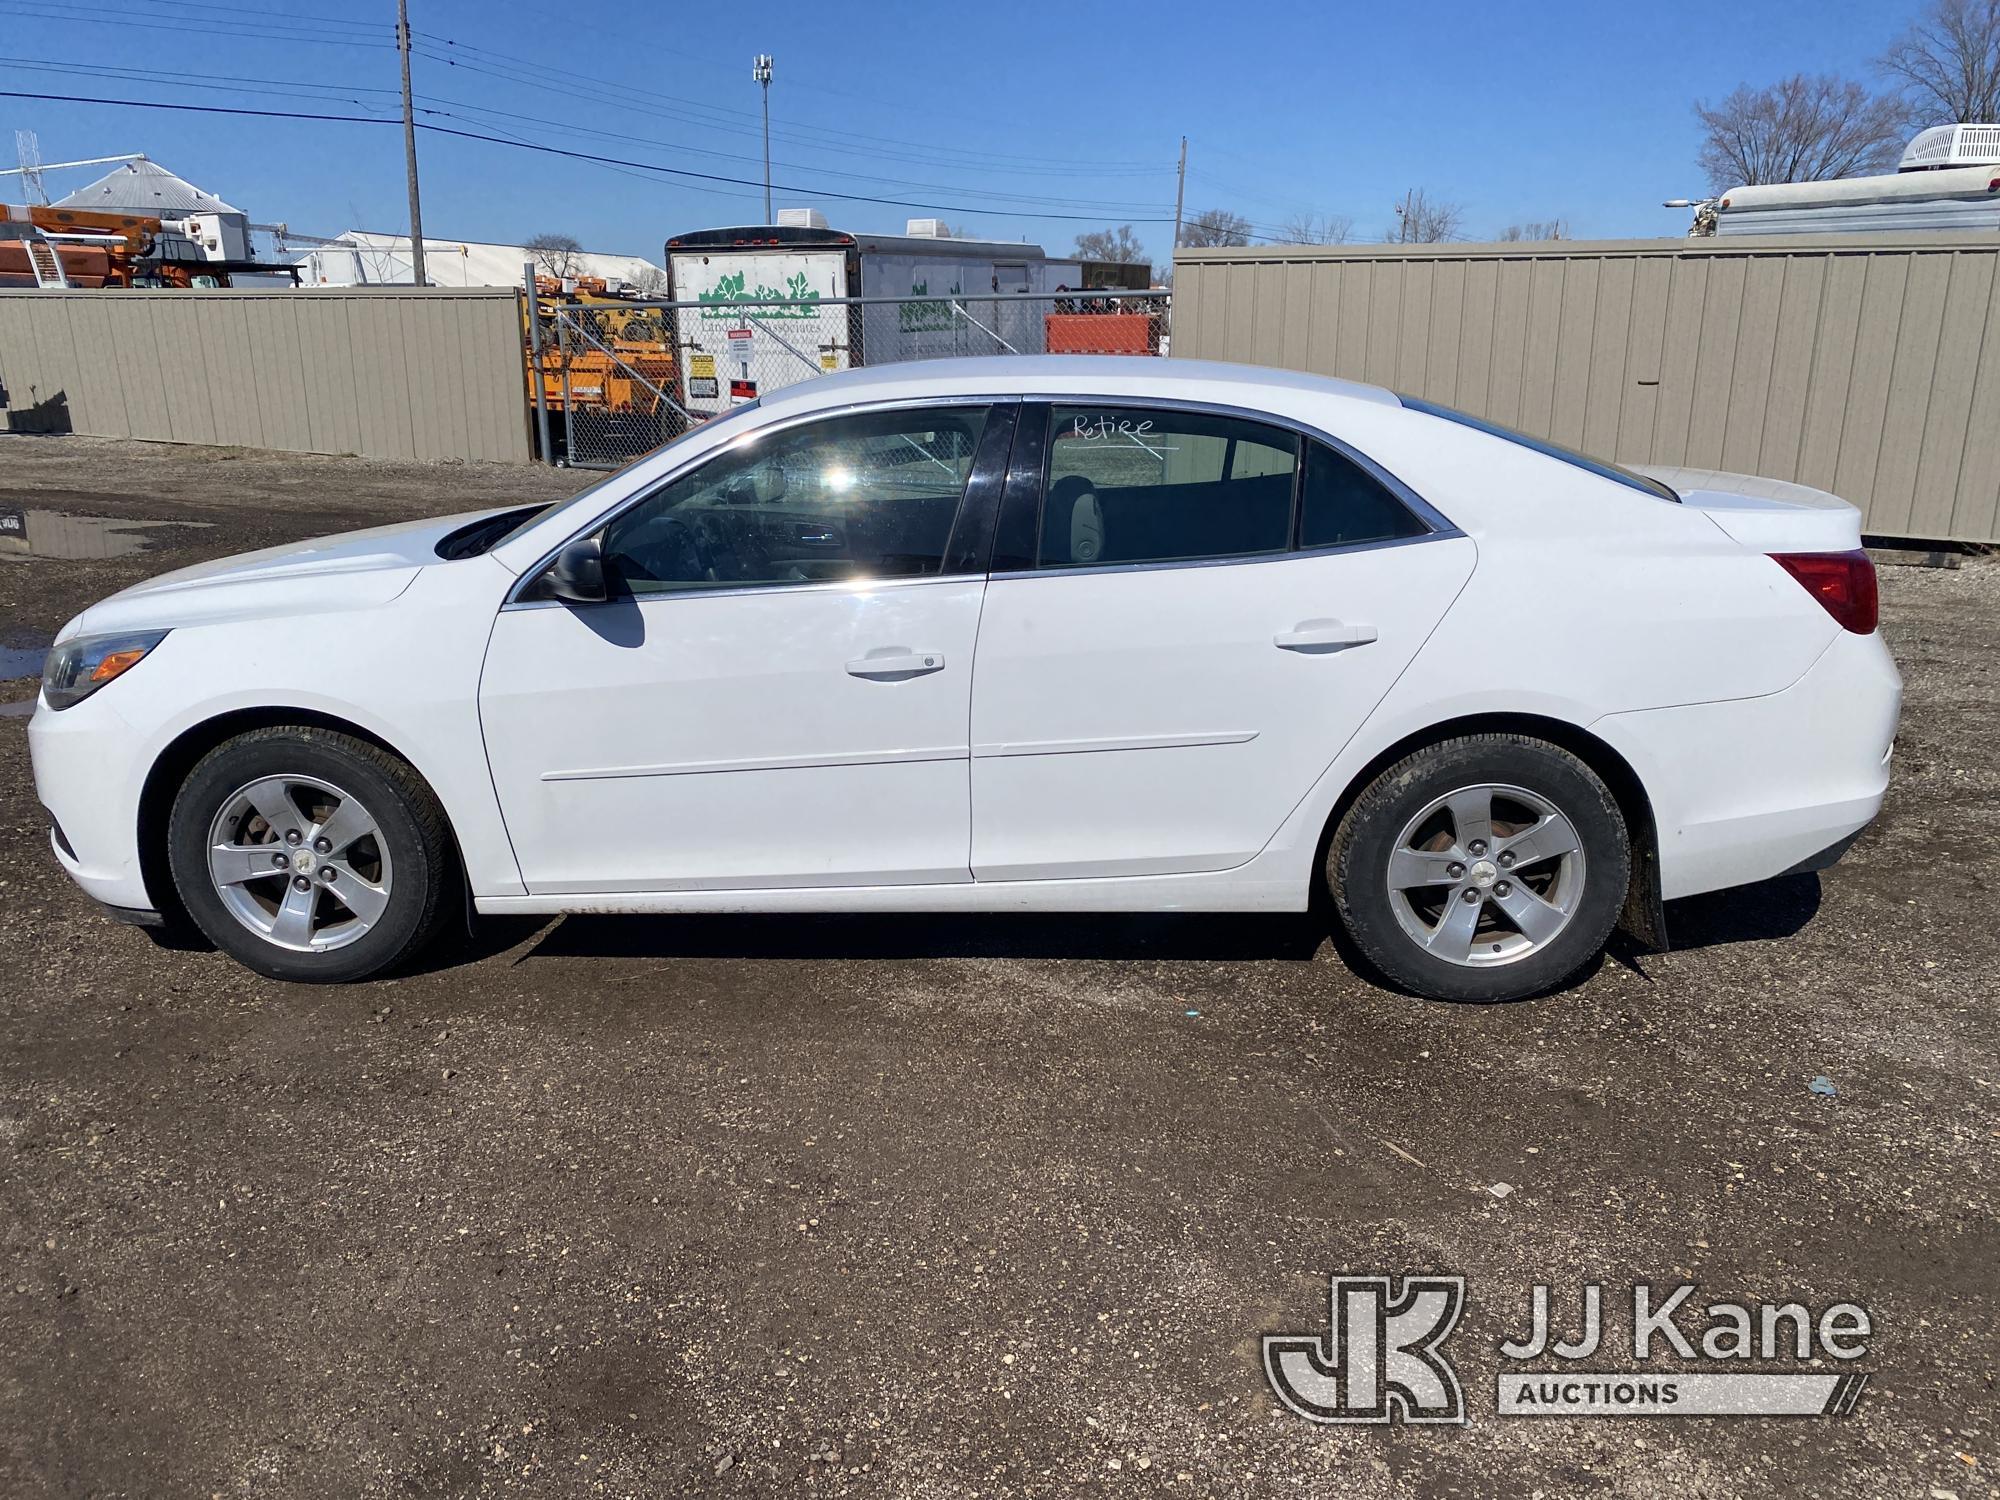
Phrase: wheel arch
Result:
[171,766]
[1643,915]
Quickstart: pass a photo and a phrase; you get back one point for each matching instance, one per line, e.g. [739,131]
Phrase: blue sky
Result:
[1554,109]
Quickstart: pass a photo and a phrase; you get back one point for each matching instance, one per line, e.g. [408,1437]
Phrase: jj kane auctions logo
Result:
[1382,1357]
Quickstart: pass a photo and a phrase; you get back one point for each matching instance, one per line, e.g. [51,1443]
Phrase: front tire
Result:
[310,855]
[1488,867]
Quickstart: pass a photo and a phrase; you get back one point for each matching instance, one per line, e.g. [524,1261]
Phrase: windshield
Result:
[1600,467]
[547,513]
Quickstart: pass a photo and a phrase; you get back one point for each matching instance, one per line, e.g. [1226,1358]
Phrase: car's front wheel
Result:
[1488,867]
[310,855]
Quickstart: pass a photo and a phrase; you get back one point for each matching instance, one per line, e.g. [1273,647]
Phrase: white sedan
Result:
[1002,635]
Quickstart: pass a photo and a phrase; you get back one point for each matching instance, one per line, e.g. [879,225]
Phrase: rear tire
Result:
[1488,867]
[310,855]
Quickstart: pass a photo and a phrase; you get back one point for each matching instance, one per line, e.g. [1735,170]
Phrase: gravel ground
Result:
[957,1206]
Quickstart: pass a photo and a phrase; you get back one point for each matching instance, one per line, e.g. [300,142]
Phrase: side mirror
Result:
[577,574]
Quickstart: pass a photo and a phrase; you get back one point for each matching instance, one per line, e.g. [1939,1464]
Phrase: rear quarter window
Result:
[1343,505]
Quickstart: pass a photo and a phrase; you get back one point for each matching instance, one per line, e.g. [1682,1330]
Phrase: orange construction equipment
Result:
[74,247]
[619,374]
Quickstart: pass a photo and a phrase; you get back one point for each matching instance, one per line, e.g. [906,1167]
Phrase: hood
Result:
[354,570]
[1770,515]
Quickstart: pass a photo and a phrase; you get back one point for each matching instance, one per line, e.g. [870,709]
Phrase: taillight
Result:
[1843,582]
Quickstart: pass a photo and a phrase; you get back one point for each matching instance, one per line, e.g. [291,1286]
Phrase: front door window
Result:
[872,495]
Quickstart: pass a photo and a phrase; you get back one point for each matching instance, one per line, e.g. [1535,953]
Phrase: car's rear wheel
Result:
[1487,867]
[310,855]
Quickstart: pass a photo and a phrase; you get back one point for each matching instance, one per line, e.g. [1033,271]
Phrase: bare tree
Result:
[1536,229]
[1318,229]
[557,254]
[1948,64]
[1801,129]
[1119,244]
[647,280]
[1424,220]
[1215,227]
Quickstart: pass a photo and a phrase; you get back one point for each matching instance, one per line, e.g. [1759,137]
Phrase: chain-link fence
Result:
[613,378]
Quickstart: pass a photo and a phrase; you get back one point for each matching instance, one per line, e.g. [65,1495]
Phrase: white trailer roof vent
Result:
[927,229]
[1952,146]
[801,218]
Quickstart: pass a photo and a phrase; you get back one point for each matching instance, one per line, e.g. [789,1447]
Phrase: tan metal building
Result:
[1868,365]
[387,372]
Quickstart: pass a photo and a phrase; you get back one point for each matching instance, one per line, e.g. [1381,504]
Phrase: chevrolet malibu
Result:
[1037,634]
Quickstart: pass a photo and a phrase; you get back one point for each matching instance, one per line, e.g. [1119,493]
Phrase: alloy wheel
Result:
[1486,875]
[300,862]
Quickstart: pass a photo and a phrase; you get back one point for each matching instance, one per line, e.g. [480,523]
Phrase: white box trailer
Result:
[732,349]
[1952,198]
[1949,178]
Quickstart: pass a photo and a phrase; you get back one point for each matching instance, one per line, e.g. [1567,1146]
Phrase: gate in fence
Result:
[612,378]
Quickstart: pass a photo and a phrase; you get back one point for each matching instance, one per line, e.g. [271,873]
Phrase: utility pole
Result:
[760,71]
[410,146]
[1180,191]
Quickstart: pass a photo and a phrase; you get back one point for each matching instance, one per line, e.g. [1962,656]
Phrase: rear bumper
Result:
[1758,787]
[1828,857]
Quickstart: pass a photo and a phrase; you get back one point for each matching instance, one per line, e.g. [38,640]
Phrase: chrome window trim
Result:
[529,576]
[745,591]
[1242,560]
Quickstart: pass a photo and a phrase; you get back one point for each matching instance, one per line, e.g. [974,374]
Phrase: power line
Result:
[163,78]
[681,116]
[124,20]
[749,116]
[641,140]
[283,87]
[284,17]
[507,66]
[548,150]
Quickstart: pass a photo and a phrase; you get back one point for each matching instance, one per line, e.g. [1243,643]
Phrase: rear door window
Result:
[1131,485]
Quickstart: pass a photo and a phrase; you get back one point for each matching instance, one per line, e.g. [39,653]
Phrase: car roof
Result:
[1123,375]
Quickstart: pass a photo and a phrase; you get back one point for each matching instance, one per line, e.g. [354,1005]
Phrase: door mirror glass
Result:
[577,574]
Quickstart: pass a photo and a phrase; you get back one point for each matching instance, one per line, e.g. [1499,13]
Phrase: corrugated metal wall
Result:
[389,372]
[1868,365]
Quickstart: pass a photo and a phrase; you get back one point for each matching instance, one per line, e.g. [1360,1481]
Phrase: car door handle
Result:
[896,664]
[1318,636]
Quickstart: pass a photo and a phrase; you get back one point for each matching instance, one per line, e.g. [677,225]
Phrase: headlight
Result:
[79,667]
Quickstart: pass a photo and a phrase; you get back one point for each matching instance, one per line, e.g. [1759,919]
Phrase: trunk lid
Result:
[1767,515]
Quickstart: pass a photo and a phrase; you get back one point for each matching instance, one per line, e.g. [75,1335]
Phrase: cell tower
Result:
[28,149]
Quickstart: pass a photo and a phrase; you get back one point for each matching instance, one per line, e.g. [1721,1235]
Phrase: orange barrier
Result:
[1101,333]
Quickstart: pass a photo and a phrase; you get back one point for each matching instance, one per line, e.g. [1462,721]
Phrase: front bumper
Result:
[133,916]
[89,774]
